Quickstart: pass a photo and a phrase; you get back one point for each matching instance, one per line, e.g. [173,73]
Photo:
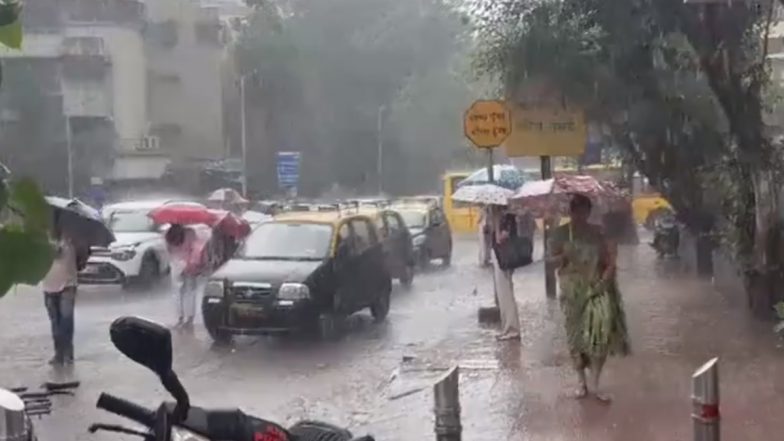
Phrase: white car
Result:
[138,257]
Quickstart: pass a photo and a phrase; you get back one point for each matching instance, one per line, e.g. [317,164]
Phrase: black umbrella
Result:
[81,221]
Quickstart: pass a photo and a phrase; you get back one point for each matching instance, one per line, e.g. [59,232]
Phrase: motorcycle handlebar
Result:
[126,409]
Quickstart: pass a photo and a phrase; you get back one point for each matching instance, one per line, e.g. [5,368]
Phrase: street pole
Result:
[380,152]
[243,138]
[447,406]
[549,269]
[69,151]
[705,402]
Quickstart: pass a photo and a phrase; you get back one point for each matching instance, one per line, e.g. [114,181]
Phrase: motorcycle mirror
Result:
[144,342]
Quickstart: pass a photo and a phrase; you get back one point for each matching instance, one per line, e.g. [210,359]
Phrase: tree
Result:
[681,87]
[25,254]
[345,63]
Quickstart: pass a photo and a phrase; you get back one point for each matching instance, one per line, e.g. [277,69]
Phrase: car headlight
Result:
[181,434]
[124,253]
[214,288]
[293,291]
[418,240]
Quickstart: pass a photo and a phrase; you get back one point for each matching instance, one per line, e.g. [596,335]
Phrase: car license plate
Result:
[249,311]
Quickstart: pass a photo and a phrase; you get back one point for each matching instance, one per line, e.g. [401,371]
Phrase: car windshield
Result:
[130,222]
[288,241]
[414,218]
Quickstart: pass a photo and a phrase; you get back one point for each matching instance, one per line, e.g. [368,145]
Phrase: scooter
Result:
[150,345]
[666,237]
[19,404]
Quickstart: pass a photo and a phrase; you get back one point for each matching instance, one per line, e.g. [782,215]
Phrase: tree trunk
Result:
[764,276]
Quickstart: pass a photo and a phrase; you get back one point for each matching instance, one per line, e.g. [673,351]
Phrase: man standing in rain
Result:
[59,286]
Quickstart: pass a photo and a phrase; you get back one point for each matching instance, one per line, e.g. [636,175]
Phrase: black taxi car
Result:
[299,271]
[431,236]
[396,243]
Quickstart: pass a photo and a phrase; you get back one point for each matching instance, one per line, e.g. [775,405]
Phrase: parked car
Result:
[396,241]
[137,257]
[302,271]
[431,235]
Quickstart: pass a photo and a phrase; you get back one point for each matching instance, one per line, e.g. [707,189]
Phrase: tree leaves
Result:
[25,252]
[10,24]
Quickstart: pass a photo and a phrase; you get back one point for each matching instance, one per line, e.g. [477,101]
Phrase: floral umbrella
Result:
[483,194]
[506,176]
[551,196]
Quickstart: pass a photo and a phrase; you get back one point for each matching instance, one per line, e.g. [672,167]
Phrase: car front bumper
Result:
[275,317]
[103,270]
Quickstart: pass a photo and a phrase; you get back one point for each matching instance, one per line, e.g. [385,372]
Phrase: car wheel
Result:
[328,325]
[219,336]
[407,280]
[149,273]
[424,259]
[447,260]
[380,307]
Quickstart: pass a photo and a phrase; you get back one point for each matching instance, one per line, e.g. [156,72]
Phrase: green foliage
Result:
[679,86]
[25,252]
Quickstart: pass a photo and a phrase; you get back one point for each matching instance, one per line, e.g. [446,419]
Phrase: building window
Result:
[164,34]
[208,32]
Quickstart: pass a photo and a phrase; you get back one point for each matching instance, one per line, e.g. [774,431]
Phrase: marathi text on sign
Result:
[540,131]
[487,123]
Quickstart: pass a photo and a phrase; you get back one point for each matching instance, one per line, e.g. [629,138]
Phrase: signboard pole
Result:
[490,170]
[549,269]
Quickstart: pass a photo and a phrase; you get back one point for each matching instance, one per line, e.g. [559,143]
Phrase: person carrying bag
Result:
[508,253]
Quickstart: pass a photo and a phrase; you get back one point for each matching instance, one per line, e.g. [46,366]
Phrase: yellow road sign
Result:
[546,131]
[487,123]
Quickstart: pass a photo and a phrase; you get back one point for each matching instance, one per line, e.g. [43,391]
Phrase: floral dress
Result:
[585,254]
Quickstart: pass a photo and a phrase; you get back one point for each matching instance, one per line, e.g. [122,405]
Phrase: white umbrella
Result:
[483,194]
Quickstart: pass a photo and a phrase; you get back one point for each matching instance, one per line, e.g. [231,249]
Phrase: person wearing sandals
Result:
[586,267]
[504,227]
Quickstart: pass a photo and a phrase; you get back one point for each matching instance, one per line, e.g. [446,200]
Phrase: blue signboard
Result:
[288,170]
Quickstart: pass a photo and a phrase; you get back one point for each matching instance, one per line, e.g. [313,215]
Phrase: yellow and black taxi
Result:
[431,236]
[396,242]
[301,271]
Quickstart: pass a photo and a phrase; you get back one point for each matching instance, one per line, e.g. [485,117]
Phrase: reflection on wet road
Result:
[377,377]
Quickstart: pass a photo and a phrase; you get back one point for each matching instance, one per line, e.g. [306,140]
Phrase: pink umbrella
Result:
[551,196]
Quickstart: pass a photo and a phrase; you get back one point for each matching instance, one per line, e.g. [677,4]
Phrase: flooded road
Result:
[376,379]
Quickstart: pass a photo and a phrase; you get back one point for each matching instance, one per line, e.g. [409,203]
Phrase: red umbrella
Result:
[184,214]
[231,224]
[551,196]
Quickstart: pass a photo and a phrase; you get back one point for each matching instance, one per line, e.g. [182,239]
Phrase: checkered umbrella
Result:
[483,194]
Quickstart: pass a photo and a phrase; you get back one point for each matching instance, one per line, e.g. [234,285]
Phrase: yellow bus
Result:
[463,218]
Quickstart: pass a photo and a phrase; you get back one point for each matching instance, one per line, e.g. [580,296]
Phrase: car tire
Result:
[328,326]
[407,280]
[220,337]
[380,307]
[446,261]
[149,274]
[424,259]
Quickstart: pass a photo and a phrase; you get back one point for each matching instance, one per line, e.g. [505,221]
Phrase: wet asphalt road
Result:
[348,382]
[511,390]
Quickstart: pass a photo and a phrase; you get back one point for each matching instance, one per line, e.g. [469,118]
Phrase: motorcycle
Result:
[666,237]
[150,345]
[19,404]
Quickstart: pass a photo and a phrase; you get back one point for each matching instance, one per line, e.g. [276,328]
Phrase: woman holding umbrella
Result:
[589,295]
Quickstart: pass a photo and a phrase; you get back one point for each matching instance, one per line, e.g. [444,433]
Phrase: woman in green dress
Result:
[586,269]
